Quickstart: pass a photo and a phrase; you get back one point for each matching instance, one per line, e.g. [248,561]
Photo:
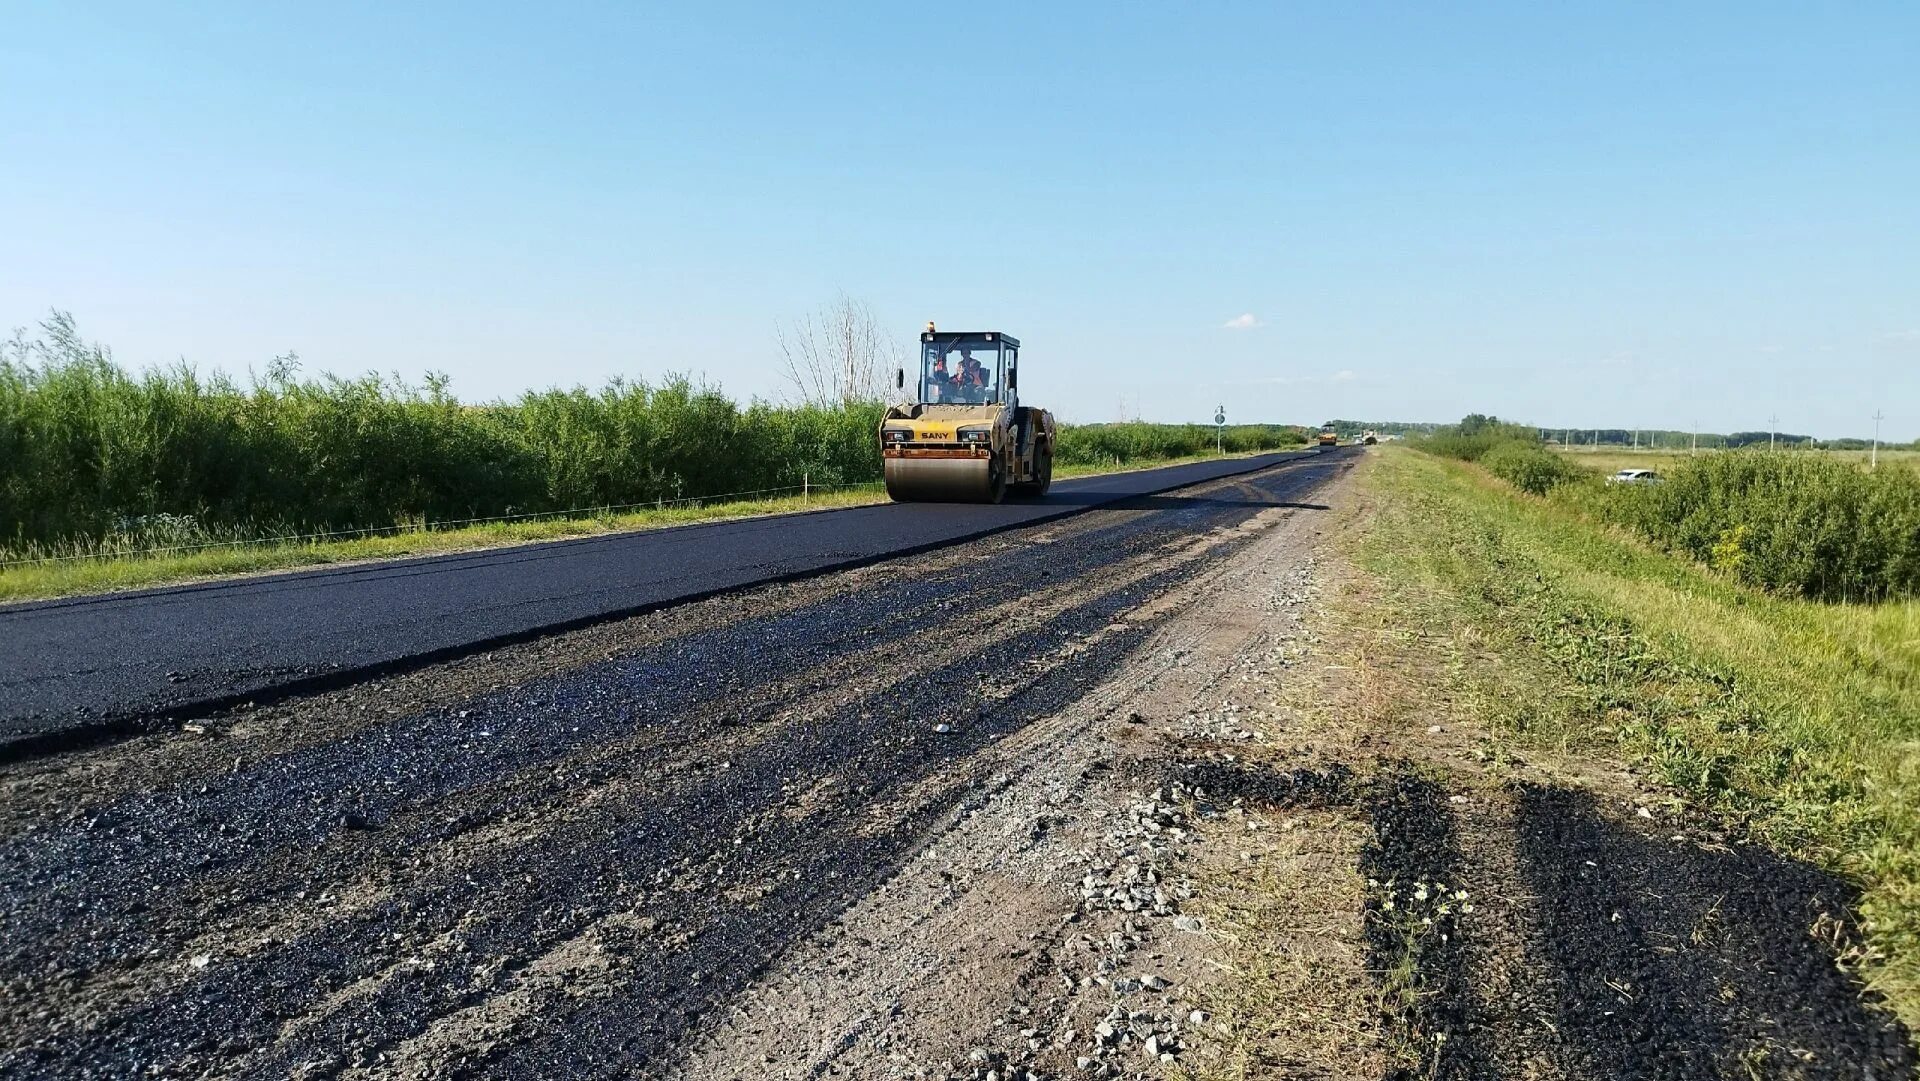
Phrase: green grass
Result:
[117,571]
[1797,722]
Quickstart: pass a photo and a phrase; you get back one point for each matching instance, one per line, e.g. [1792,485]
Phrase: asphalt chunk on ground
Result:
[87,668]
[568,875]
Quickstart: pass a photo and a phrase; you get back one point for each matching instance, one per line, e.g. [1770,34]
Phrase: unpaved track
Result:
[574,857]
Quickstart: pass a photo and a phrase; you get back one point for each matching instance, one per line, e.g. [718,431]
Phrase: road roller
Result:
[962,435]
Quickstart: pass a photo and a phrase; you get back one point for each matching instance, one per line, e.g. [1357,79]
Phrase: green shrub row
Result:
[1790,523]
[1136,441]
[90,451]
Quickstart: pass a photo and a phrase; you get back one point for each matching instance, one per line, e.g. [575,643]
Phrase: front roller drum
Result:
[945,480]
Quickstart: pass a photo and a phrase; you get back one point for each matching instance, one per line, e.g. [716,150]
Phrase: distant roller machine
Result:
[964,437]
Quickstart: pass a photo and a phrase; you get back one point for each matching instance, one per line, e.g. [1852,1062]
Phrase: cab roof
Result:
[990,335]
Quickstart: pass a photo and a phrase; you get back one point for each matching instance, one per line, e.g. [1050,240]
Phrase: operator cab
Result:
[971,368]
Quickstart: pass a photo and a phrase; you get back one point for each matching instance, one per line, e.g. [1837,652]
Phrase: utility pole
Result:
[1878,416]
[1773,433]
[1696,438]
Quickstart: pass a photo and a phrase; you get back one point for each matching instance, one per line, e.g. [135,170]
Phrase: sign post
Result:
[1219,431]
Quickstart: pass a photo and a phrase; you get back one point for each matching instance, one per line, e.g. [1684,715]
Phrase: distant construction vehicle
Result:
[964,437]
[1329,438]
[1369,438]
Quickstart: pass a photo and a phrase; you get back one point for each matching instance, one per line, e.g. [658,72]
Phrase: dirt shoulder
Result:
[1541,907]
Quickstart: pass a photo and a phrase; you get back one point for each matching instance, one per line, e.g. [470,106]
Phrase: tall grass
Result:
[94,457]
[88,449]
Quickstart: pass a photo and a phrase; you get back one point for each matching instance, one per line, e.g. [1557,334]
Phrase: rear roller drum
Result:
[1042,474]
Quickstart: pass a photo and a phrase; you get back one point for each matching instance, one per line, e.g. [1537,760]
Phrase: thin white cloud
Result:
[1244,321]
[1344,375]
[1903,337]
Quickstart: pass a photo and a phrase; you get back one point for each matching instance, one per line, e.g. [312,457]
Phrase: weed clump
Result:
[1530,467]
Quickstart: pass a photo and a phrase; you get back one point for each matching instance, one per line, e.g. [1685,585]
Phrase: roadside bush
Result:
[1792,523]
[1530,467]
[1476,435]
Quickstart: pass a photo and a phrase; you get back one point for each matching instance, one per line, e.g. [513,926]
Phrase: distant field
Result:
[1612,459]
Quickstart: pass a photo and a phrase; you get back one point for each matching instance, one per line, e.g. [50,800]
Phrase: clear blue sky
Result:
[1593,214]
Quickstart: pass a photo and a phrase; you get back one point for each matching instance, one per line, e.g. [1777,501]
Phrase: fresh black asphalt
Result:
[379,892]
[79,669]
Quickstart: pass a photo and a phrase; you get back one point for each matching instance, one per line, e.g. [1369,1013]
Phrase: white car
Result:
[1635,476]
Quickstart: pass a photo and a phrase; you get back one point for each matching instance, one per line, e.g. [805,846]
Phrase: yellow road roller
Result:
[963,436]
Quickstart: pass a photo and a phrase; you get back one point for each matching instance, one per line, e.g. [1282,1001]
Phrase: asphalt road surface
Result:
[568,856]
[80,669]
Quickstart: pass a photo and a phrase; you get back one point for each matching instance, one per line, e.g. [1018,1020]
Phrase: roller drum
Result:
[944,480]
